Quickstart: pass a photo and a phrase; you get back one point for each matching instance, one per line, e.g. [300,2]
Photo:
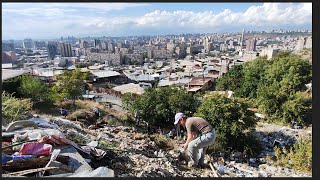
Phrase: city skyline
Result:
[138,19]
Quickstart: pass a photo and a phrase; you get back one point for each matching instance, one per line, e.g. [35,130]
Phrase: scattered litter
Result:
[6,158]
[99,172]
[34,148]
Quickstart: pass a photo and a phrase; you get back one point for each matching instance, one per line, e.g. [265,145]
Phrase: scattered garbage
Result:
[99,172]
[63,148]
[6,158]
[35,148]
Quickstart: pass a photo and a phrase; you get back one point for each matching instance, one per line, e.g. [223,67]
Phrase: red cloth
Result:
[35,148]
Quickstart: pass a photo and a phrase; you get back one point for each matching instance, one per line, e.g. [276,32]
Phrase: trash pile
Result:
[38,148]
[56,147]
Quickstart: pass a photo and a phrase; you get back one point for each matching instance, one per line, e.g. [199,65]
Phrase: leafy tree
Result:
[279,97]
[34,89]
[158,106]
[70,84]
[291,72]
[298,107]
[253,77]
[232,80]
[13,109]
[229,117]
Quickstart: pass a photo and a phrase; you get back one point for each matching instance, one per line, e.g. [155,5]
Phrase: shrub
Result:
[298,157]
[14,109]
[158,106]
[34,89]
[229,117]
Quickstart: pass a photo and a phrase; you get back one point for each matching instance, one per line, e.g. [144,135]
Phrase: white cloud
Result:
[64,19]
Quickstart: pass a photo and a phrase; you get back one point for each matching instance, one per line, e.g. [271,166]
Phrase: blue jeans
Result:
[197,147]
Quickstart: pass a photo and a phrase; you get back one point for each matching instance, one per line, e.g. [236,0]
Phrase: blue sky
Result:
[53,20]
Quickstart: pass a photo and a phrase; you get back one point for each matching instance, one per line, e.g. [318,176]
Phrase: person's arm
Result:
[189,138]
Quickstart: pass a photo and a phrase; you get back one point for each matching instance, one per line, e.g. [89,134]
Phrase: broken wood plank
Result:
[32,163]
[214,171]
[25,172]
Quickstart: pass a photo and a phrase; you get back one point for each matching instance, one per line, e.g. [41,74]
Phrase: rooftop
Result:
[200,81]
[105,73]
[129,88]
[10,73]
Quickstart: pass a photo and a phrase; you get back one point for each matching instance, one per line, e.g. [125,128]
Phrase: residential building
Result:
[251,45]
[39,44]
[97,43]
[27,44]
[65,49]
[52,50]
[84,44]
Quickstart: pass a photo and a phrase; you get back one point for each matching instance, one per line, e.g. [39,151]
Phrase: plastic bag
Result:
[35,148]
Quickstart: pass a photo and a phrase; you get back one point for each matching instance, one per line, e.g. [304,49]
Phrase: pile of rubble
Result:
[76,151]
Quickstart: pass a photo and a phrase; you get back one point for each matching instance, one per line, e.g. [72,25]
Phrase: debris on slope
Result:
[122,151]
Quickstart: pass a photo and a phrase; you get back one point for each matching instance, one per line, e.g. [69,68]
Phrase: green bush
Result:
[159,105]
[34,89]
[13,109]
[229,117]
[298,157]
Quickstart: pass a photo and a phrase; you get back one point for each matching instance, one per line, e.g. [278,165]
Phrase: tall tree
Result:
[70,84]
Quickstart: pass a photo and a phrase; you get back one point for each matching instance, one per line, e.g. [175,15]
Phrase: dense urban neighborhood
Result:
[123,106]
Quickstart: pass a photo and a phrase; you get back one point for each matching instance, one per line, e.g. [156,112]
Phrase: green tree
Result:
[34,89]
[13,109]
[253,77]
[298,107]
[158,106]
[229,117]
[285,77]
[70,84]
[232,80]
[291,72]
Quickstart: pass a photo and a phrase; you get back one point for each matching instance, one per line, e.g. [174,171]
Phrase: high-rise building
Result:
[104,46]
[39,44]
[207,44]
[119,45]
[65,49]
[171,47]
[97,43]
[52,50]
[27,44]
[241,40]
[251,45]
[111,47]
[84,44]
